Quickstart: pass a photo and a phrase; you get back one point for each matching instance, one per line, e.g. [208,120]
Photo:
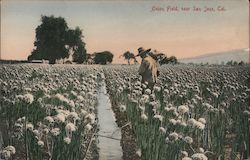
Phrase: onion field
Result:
[48,112]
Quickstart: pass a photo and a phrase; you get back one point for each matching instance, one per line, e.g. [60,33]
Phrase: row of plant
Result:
[47,112]
[191,113]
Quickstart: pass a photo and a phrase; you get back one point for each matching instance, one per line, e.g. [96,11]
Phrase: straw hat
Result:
[142,51]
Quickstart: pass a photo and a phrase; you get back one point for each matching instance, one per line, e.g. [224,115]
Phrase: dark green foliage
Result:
[235,63]
[79,55]
[103,57]
[78,46]
[171,60]
[54,40]
[241,63]
[128,56]
[160,56]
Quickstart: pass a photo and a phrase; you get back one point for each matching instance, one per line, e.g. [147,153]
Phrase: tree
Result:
[78,46]
[162,58]
[90,58]
[135,61]
[54,40]
[79,55]
[235,63]
[128,55]
[172,60]
[241,63]
[230,63]
[103,57]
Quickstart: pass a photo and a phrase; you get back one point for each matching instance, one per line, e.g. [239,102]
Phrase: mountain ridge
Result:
[219,57]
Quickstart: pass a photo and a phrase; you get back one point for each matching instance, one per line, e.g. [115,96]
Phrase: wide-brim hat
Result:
[142,51]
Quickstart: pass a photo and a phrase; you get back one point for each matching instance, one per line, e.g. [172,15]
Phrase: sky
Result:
[120,26]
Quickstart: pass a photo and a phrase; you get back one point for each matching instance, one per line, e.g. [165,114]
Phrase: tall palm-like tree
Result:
[128,56]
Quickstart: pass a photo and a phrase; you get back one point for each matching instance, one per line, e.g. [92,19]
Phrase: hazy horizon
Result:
[120,26]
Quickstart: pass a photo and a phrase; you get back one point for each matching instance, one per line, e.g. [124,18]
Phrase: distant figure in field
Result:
[148,68]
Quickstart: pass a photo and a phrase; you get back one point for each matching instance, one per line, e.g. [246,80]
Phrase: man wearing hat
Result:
[148,68]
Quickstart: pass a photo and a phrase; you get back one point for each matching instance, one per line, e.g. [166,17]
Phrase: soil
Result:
[93,151]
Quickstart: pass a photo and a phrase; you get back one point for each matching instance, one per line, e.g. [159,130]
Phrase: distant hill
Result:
[218,58]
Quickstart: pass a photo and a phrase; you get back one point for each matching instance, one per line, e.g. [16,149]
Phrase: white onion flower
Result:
[167,109]
[28,98]
[183,124]
[40,143]
[80,98]
[173,136]
[148,91]
[36,132]
[73,115]
[122,108]
[73,93]
[91,118]
[29,126]
[202,120]
[246,113]
[144,117]
[159,117]
[201,150]
[67,140]
[61,98]
[45,130]
[167,140]
[60,118]
[88,127]
[144,99]
[70,127]
[173,121]
[5,154]
[138,152]
[199,156]
[184,153]
[191,122]
[183,109]
[199,125]
[208,106]
[166,91]
[12,149]
[162,130]
[215,94]
[49,119]
[157,89]
[188,140]
[83,112]
[55,131]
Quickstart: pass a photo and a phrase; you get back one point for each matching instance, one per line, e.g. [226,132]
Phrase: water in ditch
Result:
[1,140]
[109,133]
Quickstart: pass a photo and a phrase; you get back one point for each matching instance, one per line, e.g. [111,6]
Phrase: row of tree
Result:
[160,57]
[55,40]
[235,63]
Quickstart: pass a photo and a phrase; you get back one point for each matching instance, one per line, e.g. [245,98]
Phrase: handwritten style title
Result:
[187,9]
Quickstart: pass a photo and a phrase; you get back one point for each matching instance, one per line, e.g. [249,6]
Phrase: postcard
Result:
[131,80]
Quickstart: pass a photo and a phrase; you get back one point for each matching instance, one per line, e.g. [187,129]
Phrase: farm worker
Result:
[148,68]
